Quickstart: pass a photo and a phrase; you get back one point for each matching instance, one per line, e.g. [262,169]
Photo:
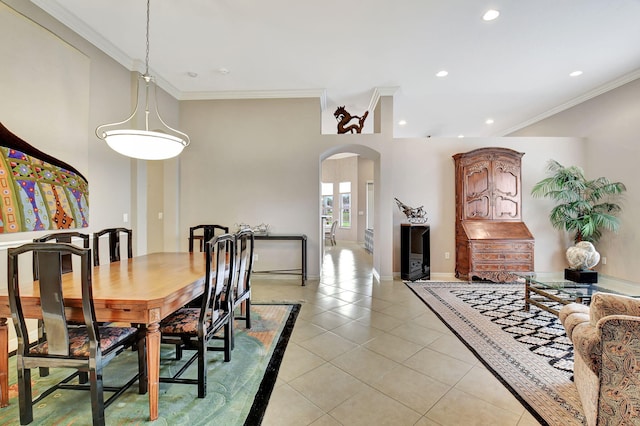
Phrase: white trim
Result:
[256,94]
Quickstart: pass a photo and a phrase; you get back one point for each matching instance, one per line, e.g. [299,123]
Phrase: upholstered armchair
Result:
[606,369]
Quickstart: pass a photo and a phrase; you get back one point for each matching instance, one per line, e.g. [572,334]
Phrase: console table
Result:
[303,248]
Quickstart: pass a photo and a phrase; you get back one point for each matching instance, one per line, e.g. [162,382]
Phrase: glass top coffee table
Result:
[546,291]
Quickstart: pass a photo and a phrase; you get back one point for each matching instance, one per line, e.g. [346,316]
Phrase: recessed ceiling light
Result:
[461,136]
[442,73]
[489,121]
[192,74]
[490,15]
[575,74]
[402,122]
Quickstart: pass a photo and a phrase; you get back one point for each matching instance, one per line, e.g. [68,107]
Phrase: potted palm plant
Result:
[584,207]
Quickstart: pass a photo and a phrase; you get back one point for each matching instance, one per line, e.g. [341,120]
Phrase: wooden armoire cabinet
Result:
[492,242]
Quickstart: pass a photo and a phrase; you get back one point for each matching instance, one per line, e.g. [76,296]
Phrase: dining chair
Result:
[208,232]
[60,237]
[66,267]
[241,289]
[331,234]
[86,349]
[114,244]
[193,328]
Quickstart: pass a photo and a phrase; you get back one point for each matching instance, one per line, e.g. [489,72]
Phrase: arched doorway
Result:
[367,188]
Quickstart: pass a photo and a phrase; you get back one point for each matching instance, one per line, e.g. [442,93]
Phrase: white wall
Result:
[610,123]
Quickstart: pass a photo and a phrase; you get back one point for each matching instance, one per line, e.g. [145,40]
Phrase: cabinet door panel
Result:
[477,195]
[506,189]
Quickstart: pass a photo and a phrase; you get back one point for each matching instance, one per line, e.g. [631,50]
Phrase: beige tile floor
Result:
[365,352]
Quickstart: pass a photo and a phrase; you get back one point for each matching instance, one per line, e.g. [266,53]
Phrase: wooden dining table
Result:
[141,290]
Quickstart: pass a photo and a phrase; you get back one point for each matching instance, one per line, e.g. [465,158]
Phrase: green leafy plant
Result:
[585,207]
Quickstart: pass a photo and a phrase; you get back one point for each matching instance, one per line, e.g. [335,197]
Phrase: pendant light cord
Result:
[146,71]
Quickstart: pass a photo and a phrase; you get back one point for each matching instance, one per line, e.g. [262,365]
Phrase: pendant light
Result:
[145,144]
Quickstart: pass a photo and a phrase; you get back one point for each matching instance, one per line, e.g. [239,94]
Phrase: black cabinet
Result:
[414,252]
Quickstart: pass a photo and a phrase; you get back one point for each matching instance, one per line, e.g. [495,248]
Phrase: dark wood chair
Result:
[241,290]
[208,232]
[66,267]
[86,349]
[114,244]
[59,237]
[193,328]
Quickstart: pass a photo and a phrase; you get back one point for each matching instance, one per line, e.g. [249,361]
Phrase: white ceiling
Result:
[514,70]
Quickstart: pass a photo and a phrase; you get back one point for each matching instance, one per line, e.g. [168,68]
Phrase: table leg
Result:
[4,363]
[153,367]
[527,294]
[304,260]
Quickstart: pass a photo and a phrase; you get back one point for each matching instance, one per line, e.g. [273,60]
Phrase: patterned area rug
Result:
[527,351]
[237,391]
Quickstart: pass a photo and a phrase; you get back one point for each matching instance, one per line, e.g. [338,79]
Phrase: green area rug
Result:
[237,392]
[527,351]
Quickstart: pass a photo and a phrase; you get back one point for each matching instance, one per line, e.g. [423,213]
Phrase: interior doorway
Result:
[347,196]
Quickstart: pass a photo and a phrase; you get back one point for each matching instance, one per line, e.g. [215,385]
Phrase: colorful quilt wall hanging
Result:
[39,192]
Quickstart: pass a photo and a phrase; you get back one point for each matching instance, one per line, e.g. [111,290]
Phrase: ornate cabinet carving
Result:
[492,242]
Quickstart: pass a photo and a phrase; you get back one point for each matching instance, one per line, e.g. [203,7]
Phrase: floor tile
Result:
[327,386]
[328,345]
[372,407]
[444,368]
[415,390]
[357,332]
[393,347]
[289,408]
[364,364]
[482,384]
[297,361]
[460,408]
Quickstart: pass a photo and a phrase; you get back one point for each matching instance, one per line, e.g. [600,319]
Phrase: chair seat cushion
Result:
[185,321]
[110,337]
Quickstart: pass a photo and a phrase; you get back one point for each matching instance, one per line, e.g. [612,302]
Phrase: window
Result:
[345,204]
[327,201]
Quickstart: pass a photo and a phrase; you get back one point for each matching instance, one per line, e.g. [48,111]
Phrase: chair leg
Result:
[24,396]
[232,318]
[247,312]
[97,396]
[202,370]
[44,371]
[83,377]
[227,341]
[178,352]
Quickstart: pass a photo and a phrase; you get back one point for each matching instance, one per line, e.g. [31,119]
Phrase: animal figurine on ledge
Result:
[348,123]
[414,215]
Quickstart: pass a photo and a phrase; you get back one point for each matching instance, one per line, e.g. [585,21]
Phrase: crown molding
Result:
[381,91]
[614,84]
[256,94]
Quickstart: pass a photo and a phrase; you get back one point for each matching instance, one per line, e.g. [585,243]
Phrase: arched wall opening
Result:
[365,153]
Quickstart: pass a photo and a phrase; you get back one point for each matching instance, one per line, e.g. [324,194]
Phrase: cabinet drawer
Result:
[511,267]
[506,257]
[501,246]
